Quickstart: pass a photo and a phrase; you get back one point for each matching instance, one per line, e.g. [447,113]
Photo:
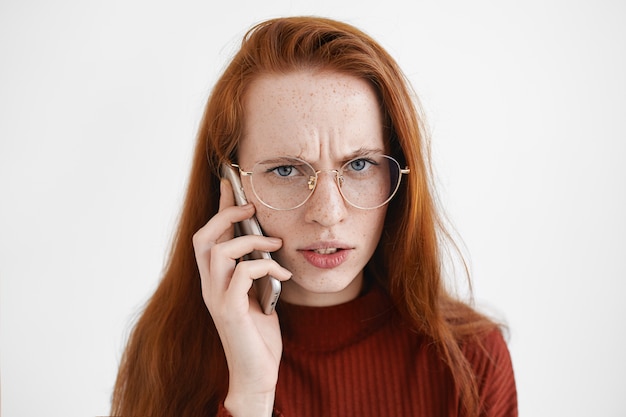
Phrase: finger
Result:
[227,199]
[243,245]
[220,227]
[224,256]
[245,274]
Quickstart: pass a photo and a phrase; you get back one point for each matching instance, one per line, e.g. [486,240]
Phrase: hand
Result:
[251,339]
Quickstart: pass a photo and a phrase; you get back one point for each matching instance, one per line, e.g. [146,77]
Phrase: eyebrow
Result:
[359,153]
[363,152]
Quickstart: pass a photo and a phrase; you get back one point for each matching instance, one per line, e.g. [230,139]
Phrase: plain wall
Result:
[99,104]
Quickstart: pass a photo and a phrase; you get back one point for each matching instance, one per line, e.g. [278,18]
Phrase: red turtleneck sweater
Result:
[359,359]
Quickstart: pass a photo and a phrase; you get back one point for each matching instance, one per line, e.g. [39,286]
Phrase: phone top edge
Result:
[230,173]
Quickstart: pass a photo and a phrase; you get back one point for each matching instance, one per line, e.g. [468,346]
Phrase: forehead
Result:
[311,115]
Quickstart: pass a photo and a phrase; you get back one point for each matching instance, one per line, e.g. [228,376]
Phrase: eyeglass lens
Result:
[287,183]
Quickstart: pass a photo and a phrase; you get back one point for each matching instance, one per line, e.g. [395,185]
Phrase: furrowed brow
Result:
[363,152]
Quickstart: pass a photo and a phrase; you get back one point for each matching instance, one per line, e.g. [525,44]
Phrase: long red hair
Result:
[174,363]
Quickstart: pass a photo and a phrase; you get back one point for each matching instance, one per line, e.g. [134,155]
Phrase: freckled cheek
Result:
[372,225]
[274,223]
[270,220]
[281,225]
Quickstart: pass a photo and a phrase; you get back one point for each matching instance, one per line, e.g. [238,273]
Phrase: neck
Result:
[329,328]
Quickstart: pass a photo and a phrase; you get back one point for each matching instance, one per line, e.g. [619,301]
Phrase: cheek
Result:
[274,223]
[270,220]
[372,224]
[376,221]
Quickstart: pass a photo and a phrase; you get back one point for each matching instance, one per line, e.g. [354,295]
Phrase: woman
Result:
[364,325]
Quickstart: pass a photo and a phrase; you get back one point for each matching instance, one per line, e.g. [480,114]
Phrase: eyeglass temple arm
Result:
[241,171]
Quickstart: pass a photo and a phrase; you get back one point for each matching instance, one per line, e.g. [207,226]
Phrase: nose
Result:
[326,205]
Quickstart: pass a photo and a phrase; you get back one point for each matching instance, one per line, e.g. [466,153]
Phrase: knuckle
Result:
[196,239]
[200,237]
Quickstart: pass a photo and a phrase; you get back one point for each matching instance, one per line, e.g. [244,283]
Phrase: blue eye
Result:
[284,170]
[359,164]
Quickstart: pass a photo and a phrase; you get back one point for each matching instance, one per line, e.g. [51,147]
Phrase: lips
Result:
[326,255]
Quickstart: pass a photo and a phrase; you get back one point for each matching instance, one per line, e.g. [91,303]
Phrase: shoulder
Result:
[480,339]
[487,347]
[490,359]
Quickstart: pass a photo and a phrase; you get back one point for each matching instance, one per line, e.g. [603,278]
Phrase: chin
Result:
[326,288]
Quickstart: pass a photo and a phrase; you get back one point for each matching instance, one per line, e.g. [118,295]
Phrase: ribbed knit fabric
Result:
[359,359]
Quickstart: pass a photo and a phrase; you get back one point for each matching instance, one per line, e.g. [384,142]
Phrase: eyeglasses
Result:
[287,183]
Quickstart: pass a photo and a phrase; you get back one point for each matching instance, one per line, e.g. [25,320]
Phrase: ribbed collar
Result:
[334,327]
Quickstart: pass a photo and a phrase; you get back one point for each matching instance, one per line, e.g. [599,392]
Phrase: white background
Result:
[99,104]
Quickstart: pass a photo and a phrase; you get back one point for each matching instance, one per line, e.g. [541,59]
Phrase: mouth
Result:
[326,251]
[327,247]
[326,255]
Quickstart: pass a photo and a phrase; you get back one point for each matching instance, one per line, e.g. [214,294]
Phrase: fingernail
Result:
[275,240]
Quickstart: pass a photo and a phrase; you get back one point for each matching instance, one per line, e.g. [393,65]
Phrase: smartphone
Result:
[267,288]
